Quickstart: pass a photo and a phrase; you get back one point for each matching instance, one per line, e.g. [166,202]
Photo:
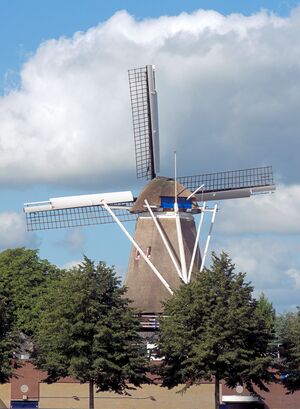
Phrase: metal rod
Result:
[196,242]
[195,191]
[164,239]
[180,243]
[153,268]
[178,225]
[209,236]
[175,176]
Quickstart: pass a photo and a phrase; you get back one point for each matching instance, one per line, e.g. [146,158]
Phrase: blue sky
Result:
[227,79]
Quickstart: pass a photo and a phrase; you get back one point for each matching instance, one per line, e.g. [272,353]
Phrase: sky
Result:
[227,75]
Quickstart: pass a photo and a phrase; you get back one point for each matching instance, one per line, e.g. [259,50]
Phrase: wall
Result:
[5,396]
[276,398]
[28,376]
[75,396]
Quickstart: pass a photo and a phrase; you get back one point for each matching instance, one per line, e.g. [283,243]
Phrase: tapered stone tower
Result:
[145,288]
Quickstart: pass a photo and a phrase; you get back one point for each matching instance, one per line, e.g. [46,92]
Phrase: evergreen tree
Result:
[214,329]
[266,312]
[88,331]
[23,278]
[289,339]
[9,341]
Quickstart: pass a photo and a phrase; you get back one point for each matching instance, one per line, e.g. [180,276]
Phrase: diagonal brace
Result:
[151,265]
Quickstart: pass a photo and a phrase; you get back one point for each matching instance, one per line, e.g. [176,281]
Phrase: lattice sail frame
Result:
[77,216]
[145,121]
[230,180]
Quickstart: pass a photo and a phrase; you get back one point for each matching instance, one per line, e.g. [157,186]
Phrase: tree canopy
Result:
[87,330]
[23,278]
[9,340]
[215,329]
[289,339]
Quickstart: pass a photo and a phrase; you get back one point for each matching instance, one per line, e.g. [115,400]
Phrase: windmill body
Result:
[165,250]
[144,288]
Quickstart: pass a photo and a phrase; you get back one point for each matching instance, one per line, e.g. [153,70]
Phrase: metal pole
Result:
[175,175]
[163,237]
[209,236]
[196,242]
[180,243]
[195,191]
[153,268]
[178,227]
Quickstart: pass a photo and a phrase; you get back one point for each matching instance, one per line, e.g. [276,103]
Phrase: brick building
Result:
[28,391]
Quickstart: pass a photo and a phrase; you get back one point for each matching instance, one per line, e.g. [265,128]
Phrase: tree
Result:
[23,278]
[214,329]
[289,339]
[266,312]
[88,331]
[9,341]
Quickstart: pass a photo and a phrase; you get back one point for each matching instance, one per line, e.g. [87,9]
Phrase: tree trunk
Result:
[217,392]
[91,394]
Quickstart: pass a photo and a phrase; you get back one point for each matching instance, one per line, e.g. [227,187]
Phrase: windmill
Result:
[165,246]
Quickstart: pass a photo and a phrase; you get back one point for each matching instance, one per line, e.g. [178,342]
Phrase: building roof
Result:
[155,189]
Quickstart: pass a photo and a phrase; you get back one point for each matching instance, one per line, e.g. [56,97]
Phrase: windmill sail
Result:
[145,121]
[75,211]
[231,184]
[74,217]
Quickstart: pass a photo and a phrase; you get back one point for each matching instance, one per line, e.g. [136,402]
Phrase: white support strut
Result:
[165,241]
[178,226]
[180,243]
[209,236]
[153,268]
[195,191]
[196,242]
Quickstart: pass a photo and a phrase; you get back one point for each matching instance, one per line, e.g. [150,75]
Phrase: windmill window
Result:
[148,253]
[137,255]
[168,202]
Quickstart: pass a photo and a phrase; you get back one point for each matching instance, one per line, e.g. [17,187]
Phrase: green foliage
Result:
[23,278]
[86,330]
[289,338]
[266,314]
[215,329]
[9,341]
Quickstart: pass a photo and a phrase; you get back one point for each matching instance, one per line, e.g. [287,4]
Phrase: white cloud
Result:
[74,241]
[275,213]
[120,271]
[13,232]
[295,274]
[271,263]
[71,264]
[228,98]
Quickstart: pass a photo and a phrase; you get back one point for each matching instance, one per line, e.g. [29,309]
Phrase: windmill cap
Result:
[157,188]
